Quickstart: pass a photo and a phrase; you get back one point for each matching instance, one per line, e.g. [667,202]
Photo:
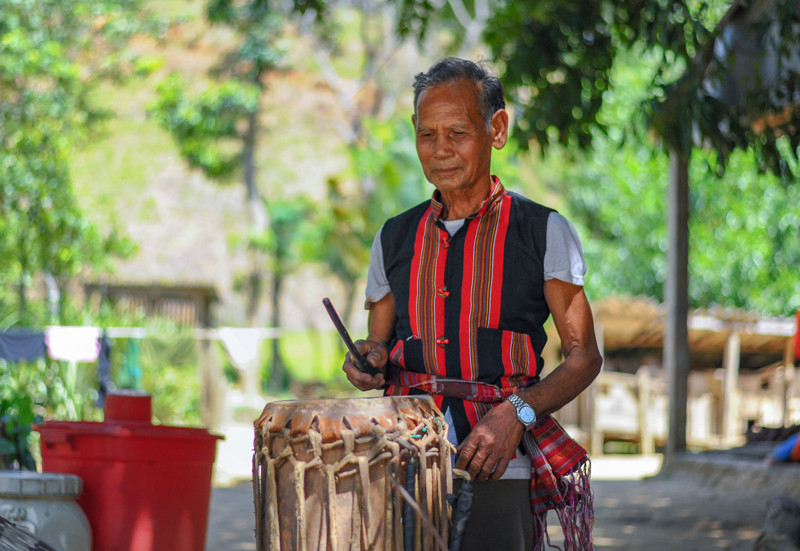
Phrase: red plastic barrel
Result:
[145,487]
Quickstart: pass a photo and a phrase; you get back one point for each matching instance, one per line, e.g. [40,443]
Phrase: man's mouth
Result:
[446,170]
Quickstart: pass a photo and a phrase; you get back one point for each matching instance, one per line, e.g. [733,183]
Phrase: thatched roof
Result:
[631,323]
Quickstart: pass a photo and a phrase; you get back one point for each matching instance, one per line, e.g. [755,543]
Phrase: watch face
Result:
[527,415]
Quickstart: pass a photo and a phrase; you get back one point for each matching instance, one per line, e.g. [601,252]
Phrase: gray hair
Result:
[451,69]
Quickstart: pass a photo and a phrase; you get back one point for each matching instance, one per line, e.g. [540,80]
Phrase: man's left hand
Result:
[487,450]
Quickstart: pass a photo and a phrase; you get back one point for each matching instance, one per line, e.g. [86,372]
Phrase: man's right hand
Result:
[377,355]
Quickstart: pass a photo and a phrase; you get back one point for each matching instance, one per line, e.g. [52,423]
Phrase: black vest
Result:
[470,306]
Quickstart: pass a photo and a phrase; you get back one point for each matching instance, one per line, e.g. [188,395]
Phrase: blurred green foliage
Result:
[742,251]
[219,131]
[289,232]
[312,357]
[204,127]
[170,373]
[744,244]
[32,391]
[53,54]
[16,424]
[69,392]
[386,167]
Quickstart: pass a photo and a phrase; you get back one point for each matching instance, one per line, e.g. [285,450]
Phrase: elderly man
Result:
[460,287]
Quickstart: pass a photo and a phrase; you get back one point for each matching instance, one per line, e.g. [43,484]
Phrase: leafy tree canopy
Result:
[53,53]
[742,251]
[206,127]
[556,57]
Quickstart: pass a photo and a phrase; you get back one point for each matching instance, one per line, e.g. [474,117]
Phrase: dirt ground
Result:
[676,513]
[673,510]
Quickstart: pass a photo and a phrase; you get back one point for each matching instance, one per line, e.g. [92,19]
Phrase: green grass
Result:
[311,356]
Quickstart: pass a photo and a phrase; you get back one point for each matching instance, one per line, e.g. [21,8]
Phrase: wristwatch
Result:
[525,413]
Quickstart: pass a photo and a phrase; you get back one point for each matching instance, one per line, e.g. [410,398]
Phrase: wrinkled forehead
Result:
[453,98]
[455,90]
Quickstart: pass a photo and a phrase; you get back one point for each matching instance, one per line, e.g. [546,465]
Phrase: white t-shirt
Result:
[563,257]
[563,260]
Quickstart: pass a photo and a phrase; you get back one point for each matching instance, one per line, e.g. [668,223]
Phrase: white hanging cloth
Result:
[72,343]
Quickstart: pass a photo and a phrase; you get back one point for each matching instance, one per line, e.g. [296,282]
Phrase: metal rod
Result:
[408,510]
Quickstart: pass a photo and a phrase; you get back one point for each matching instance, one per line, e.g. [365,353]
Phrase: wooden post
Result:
[646,445]
[788,381]
[584,406]
[676,332]
[595,436]
[212,383]
[730,395]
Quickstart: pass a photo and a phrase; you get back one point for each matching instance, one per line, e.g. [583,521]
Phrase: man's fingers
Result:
[360,380]
[471,459]
[488,467]
[480,465]
[375,358]
[485,472]
[499,469]
[465,452]
[375,353]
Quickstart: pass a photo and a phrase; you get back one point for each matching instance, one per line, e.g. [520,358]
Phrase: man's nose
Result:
[442,147]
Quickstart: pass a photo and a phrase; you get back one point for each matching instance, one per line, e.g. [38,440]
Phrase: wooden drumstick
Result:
[360,361]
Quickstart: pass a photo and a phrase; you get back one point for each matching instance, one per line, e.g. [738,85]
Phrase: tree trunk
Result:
[21,293]
[258,220]
[349,306]
[277,379]
[676,339]
[23,273]
[54,299]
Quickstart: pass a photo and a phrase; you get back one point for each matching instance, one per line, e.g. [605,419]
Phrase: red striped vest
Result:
[470,306]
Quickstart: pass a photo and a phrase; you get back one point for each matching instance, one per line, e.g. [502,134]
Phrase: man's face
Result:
[453,144]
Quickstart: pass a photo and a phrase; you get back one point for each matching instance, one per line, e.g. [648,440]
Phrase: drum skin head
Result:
[330,416]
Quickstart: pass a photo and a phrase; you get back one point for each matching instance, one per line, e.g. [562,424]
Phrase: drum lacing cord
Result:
[420,514]
[348,465]
[420,444]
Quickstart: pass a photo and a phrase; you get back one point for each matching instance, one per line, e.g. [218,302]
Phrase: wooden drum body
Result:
[325,473]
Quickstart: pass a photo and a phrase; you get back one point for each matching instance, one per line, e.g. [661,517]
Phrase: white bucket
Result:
[44,505]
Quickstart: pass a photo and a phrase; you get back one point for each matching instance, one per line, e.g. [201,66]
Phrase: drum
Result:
[335,475]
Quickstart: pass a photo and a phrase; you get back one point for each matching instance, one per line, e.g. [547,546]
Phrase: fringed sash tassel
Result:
[560,475]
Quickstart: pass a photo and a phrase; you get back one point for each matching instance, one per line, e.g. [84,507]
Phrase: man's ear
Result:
[414,121]
[499,128]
